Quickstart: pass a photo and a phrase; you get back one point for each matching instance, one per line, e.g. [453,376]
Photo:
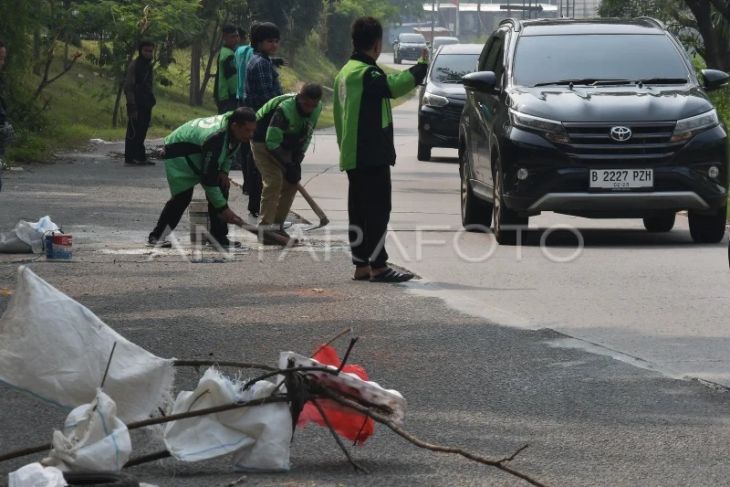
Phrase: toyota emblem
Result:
[621,134]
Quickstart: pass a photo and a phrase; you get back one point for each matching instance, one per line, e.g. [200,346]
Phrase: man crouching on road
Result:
[200,152]
[364,124]
[285,127]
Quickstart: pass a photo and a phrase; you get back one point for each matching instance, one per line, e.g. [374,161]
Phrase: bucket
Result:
[59,246]
[199,221]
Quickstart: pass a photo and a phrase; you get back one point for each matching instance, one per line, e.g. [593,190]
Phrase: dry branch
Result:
[500,464]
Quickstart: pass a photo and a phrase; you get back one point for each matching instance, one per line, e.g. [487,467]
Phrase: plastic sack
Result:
[26,237]
[259,437]
[93,439]
[57,349]
[36,475]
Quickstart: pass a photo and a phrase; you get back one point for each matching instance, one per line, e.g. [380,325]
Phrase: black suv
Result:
[408,46]
[601,119]
[442,97]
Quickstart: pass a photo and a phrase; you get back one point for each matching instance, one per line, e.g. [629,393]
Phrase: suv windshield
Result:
[596,58]
[449,68]
[412,38]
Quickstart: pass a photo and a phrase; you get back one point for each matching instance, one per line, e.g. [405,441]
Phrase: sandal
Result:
[391,275]
[365,277]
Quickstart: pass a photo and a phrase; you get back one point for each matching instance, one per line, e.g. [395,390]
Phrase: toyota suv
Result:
[599,118]
[408,47]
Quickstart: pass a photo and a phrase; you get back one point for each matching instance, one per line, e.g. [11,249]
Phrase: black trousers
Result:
[368,207]
[252,180]
[136,134]
[174,210]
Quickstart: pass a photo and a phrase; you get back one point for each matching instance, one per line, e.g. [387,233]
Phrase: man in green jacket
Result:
[364,125]
[200,152]
[226,79]
[285,127]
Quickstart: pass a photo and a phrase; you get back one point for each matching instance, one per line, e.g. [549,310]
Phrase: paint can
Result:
[59,246]
[199,221]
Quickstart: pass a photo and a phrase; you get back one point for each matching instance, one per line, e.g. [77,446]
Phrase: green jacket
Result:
[286,131]
[362,110]
[196,153]
[226,79]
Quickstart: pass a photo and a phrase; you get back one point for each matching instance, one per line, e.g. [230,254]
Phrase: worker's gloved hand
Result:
[132,110]
[278,62]
[229,216]
[293,173]
[424,55]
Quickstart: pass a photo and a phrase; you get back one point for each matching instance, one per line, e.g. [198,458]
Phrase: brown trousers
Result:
[277,195]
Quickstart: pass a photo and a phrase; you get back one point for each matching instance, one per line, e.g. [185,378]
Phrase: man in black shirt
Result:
[140,100]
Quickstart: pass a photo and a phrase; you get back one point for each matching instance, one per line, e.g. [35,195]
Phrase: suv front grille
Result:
[591,143]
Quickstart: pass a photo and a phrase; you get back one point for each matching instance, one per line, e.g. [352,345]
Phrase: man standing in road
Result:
[226,79]
[6,130]
[262,84]
[140,100]
[200,152]
[285,127]
[364,125]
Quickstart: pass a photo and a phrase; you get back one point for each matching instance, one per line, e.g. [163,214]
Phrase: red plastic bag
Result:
[346,422]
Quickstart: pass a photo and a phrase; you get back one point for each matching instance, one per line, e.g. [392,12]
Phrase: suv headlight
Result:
[437,101]
[550,129]
[689,127]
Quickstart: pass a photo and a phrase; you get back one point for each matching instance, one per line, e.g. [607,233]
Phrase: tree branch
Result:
[342,446]
[499,464]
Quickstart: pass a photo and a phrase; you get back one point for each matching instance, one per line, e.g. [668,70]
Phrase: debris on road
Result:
[254,421]
[259,438]
[93,439]
[35,474]
[57,349]
[27,237]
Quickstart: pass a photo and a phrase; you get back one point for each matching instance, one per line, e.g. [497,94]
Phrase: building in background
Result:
[578,9]
[476,19]
[472,20]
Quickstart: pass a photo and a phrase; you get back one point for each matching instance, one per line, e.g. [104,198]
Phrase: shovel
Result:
[323,220]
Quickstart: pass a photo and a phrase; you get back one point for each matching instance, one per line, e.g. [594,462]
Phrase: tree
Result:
[341,14]
[127,23]
[295,18]
[707,18]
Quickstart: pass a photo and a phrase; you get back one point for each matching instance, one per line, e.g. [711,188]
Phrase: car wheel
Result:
[476,214]
[424,151]
[708,228]
[100,479]
[660,224]
[507,223]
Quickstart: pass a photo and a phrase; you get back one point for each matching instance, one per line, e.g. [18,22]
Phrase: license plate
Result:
[620,179]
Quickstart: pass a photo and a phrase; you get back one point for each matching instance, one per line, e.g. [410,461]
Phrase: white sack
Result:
[259,436]
[36,475]
[93,439]
[26,237]
[57,349]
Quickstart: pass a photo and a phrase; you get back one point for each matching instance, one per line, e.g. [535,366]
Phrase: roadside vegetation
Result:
[67,59]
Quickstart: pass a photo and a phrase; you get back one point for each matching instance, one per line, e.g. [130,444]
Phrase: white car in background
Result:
[439,41]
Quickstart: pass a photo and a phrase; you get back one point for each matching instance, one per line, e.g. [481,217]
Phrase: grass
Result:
[80,104]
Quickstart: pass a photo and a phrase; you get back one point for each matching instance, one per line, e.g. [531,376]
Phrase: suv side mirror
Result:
[714,79]
[484,81]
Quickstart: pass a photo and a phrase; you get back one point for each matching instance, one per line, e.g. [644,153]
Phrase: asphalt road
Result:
[470,381]
[658,301]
